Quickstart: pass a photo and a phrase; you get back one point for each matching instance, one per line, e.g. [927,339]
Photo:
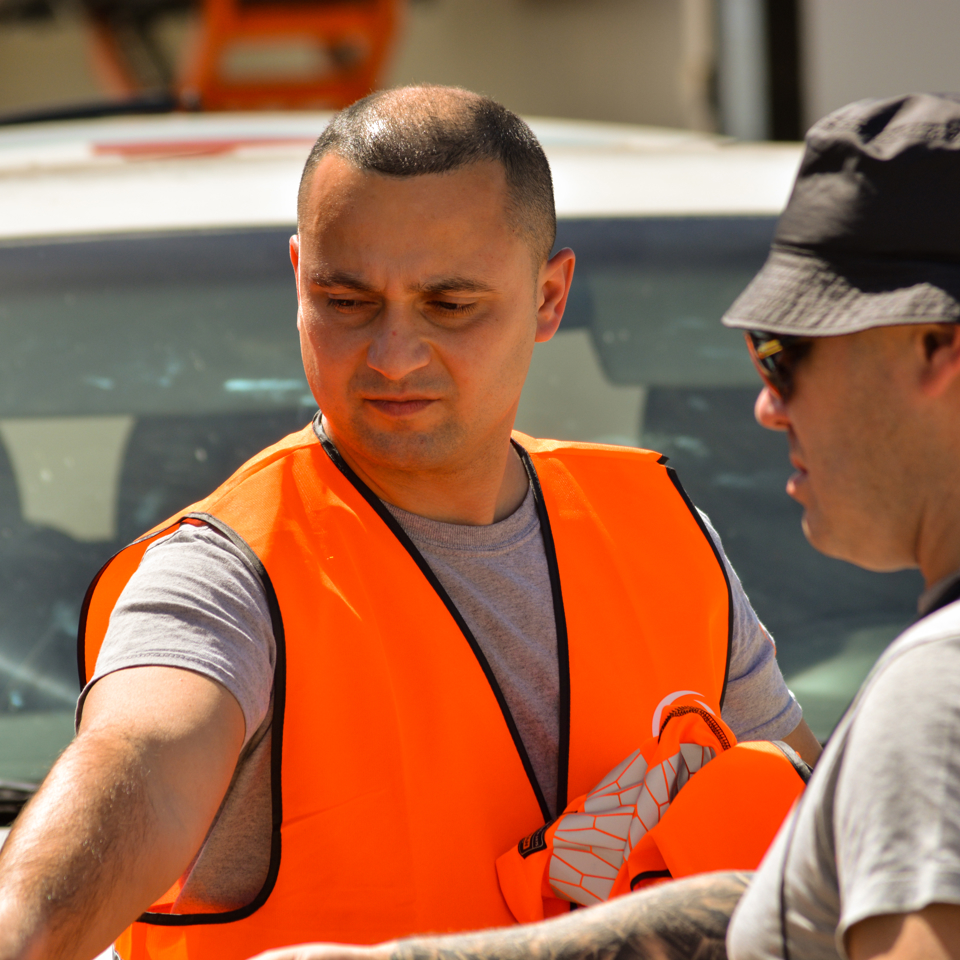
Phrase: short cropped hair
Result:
[412,131]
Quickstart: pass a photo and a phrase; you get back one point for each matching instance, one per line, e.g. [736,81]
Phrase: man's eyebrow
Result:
[455,285]
[341,278]
[353,281]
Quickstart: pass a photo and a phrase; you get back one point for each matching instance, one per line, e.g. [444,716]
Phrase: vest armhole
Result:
[146,539]
[276,748]
[82,626]
[388,518]
[675,480]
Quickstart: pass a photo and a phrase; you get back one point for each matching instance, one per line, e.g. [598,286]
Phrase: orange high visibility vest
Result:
[398,773]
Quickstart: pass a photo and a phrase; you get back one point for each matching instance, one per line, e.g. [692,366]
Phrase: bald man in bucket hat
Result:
[854,324]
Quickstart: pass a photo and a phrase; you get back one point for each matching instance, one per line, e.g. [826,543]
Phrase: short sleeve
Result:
[897,814]
[195,602]
[758,705]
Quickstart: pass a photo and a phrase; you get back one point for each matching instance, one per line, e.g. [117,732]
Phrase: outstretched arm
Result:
[122,813]
[932,933]
[684,920]
[802,740]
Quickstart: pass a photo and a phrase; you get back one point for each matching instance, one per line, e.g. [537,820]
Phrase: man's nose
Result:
[397,348]
[770,411]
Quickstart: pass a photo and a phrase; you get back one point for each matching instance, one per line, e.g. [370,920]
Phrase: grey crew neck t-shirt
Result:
[878,828]
[492,573]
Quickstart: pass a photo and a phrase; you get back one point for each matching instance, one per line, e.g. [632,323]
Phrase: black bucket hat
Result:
[871,234]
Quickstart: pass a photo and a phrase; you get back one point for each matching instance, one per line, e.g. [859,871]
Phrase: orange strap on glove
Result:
[689,801]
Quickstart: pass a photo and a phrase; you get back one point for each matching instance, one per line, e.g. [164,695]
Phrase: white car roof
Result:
[210,171]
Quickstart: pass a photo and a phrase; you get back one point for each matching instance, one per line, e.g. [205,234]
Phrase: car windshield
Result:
[137,372]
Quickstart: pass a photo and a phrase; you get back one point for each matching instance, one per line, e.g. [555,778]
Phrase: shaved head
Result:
[413,131]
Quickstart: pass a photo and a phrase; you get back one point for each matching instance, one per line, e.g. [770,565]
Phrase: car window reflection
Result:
[137,373]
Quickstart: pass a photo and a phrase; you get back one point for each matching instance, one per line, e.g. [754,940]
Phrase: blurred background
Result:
[147,342]
[755,69]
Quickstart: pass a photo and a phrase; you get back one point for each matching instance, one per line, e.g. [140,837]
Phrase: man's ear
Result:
[295,259]
[940,346]
[554,281]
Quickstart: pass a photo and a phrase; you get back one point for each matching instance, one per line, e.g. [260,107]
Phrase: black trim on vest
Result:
[88,596]
[672,474]
[560,618]
[650,875]
[276,747]
[276,732]
[803,769]
[388,518]
[82,627]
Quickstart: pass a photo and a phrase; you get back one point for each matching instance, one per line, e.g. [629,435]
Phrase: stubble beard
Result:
[410,451]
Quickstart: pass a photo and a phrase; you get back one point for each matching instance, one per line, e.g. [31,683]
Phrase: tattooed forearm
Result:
[685,920]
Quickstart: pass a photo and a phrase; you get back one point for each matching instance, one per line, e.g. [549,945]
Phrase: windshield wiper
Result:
[158,102]
[13,795]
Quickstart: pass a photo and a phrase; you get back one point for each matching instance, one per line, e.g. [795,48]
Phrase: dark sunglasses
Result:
[776,355]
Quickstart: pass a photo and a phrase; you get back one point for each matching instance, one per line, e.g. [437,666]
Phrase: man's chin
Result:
[857,550]
[406,449]
[823,539]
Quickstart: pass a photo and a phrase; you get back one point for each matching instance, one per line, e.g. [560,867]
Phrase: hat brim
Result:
[797,292]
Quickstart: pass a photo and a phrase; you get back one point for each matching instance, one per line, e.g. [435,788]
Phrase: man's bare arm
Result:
[802,740]
[121,814]
[685,920]
[930,934]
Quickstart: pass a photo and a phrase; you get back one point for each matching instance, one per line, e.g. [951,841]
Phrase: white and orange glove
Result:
[688,801]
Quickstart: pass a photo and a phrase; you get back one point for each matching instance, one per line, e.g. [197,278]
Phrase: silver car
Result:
[148,347]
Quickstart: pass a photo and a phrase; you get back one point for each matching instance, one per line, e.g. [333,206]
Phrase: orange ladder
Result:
[253,54]
[284,54]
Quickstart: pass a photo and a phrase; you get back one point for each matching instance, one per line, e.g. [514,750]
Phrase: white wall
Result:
[640,61]
[643,61]
[877,48]
[45,63]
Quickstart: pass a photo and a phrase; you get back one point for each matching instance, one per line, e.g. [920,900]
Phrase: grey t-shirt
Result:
[878,828]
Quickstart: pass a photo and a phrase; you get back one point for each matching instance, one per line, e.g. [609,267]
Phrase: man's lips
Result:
[797,478]
[399,406]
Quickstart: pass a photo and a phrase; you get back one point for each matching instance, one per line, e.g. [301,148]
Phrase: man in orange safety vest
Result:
[323,701]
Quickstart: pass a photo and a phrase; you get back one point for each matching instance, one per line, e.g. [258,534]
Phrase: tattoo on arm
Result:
[684,920]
